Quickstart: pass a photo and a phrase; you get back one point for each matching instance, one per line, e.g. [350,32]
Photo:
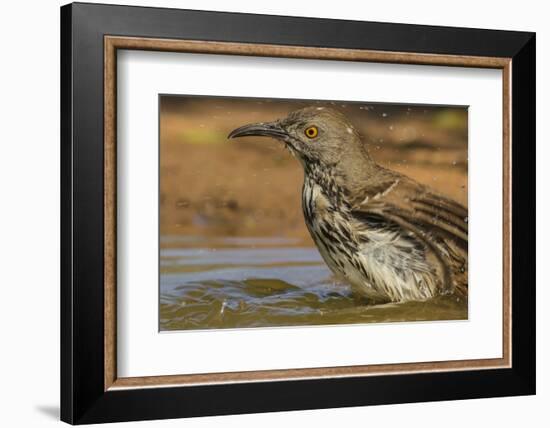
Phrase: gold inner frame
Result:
[113,43]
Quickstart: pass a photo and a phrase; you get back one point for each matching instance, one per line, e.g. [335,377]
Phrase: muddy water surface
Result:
[234,282]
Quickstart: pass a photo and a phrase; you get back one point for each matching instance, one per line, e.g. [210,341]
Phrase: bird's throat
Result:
[326,185]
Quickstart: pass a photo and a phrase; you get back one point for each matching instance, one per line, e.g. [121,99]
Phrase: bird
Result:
[390,237]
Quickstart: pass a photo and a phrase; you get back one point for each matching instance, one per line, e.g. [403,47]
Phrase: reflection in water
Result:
[260,282]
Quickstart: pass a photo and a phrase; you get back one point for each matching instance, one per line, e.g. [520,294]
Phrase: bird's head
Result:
[312,134]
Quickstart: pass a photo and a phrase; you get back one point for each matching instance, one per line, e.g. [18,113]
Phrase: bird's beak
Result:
[263,129]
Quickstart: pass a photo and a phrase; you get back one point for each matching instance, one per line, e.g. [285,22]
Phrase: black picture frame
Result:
[83,398]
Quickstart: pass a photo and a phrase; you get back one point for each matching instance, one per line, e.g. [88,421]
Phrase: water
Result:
[262,282]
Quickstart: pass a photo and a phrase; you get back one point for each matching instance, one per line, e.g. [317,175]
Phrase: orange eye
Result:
[311,132]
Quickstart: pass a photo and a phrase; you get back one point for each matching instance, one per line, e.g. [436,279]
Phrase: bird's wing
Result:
[439,223]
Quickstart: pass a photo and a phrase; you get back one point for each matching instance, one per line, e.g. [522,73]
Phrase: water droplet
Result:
[466,219]
[384,114]
[454,162]
[391,127]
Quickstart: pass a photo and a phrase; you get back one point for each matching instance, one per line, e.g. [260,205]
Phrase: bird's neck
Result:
[338,180]
[327,181]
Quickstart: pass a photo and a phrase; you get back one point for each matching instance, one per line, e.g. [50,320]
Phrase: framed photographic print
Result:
[265,213]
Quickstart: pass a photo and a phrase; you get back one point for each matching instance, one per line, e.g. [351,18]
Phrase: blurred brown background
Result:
[211,186]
